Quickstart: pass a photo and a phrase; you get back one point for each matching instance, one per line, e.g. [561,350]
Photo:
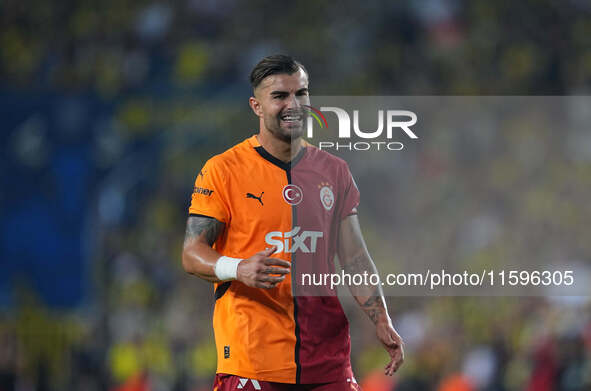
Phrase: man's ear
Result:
[255,106]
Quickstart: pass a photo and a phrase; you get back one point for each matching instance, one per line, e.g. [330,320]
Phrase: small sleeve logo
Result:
[202,190]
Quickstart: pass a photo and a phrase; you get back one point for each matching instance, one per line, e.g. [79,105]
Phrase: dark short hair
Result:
[273,65]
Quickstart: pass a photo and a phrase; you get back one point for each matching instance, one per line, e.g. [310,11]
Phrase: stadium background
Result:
[110,108]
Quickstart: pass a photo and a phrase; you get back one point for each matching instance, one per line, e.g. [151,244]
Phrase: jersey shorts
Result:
[225,382]
[290,333]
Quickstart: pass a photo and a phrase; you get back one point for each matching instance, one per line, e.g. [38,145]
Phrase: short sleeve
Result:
[208,197]
[351,196]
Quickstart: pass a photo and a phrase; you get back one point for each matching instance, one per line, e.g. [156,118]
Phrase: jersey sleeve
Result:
[208,198]
[351,196]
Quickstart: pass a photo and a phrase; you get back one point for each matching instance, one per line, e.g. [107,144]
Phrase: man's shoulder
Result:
[320,156]
[235,155]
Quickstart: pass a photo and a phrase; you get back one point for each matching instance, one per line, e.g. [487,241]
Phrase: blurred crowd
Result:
[109,109]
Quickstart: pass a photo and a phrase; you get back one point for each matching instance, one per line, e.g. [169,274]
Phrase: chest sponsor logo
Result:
[293,194]
[202,190]
[304,241]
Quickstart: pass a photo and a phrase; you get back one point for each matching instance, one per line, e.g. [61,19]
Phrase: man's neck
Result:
[282,150]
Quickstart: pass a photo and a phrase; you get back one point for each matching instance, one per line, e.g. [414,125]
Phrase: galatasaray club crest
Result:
[326,195]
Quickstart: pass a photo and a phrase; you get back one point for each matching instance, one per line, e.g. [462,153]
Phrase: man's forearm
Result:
[198,256]
[199,259]
[355,259]
[370,297]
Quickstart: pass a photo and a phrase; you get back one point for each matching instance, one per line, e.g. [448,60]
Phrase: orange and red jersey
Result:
[287,334]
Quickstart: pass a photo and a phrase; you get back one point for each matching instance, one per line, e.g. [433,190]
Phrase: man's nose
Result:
[293,102]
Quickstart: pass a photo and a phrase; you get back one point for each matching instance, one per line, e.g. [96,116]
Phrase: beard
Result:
[287,126]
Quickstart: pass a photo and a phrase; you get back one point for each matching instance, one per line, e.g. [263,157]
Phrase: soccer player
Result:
[263,213]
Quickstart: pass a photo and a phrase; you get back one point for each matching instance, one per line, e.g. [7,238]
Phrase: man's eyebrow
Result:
[277,92]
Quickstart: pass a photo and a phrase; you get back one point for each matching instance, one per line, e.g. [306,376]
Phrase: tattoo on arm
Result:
[197,225]
[358,264]
[373,307]
[355,259]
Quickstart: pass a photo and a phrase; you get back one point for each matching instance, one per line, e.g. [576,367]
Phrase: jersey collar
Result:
[279,163]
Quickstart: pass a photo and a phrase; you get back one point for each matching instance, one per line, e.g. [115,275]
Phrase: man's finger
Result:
[388,369]
[272,279]
[398,361]
[277,262]
[276,270]
[397,358]
[268,251]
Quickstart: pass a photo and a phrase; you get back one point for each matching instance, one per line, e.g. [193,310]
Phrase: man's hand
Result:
[393,344]
[261,271]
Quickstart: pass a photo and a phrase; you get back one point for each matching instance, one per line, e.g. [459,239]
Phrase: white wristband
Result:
[226,267]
